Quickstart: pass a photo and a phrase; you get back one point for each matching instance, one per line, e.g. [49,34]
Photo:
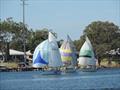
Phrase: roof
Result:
[16,52]
[28,52]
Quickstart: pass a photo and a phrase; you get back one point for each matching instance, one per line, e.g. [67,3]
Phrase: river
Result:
[102,79]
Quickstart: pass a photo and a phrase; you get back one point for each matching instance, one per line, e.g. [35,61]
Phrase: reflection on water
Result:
[102,79]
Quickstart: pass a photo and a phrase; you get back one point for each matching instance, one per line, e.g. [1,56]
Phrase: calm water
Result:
[107,79]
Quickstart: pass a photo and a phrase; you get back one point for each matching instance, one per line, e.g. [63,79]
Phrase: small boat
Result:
[47,55]
[68,55]
[86,58]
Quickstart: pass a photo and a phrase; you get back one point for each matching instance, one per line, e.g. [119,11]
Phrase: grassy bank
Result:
[113,64]
[104,63]
[9,64]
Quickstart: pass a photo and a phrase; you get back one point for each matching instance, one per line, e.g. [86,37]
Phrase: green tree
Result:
[104,36]
[36,37]
[10,32]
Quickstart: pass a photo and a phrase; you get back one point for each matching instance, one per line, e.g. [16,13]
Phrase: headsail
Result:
[51,37]
[54,57]
[40,55]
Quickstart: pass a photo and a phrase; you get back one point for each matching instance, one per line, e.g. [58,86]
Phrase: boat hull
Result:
[88,69]
[69,70]
[51,73]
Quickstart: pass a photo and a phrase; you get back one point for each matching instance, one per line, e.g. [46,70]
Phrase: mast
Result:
[24,40]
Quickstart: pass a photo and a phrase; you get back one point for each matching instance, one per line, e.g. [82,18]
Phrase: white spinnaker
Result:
[93,60]
[87,46]
[84,61]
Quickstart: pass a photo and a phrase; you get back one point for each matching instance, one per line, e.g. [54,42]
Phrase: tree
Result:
[104,36]
[79,43]
[36,37]
[10,32]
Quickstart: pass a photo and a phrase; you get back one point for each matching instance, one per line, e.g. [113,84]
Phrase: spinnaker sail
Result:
[86,55]
[41,54]
[47,53]
[68,52]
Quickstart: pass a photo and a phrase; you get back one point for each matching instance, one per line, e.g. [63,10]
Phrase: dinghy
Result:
[86,58]
[47,54]
[68,55]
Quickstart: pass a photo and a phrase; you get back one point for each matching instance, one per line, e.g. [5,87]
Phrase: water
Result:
[103,79]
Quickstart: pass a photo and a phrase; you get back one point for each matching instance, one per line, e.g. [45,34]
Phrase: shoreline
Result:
[40,69]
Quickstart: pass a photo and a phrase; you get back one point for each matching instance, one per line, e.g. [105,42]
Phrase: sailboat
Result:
[68,55]
[47,54]
[86,58]
[54,58]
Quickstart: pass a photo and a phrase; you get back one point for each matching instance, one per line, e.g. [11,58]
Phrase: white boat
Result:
[68,55]
[47,54]
[86,58]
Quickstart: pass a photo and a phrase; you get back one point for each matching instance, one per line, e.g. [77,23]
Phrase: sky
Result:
[65,17]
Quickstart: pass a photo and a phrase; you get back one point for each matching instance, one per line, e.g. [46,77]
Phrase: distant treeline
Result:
[104,36]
